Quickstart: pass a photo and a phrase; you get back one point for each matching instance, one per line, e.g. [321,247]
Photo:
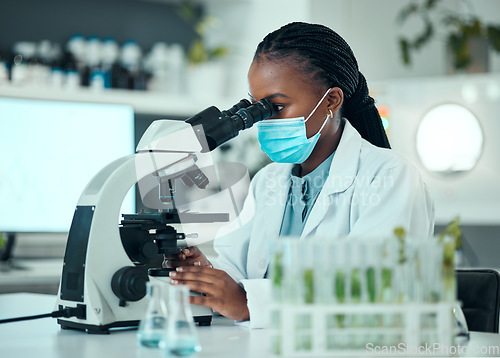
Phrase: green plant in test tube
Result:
[401,235]
[370,283]
[356,319]
[277,279]
[451,238]
[389,261]
[355,285]
[386,279]
[309,286]
[449,270]
[278,270]
[453,230]
[386,275]
[340,294]
[372,259]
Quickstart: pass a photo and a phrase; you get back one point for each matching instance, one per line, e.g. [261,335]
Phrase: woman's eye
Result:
[278,107]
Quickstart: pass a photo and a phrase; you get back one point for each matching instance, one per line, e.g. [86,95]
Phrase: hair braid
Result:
[326,58]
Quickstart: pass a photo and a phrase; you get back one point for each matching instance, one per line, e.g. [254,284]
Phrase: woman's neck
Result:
[324,148]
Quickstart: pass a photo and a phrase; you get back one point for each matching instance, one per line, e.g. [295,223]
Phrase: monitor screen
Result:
[49,151]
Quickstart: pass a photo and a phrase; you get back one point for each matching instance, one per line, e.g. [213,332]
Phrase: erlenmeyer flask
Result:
[152,327]
[462,334]
[181,338]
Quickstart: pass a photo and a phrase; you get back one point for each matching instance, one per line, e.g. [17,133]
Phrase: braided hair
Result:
[326,58]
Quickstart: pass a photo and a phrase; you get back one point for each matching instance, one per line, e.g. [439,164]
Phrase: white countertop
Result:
[43,337]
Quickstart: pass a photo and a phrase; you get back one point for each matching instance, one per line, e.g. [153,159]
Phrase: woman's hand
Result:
[190,256]
[222,293]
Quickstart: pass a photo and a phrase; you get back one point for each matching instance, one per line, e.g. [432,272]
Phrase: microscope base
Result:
[94,329]
[106,329]
[203,320]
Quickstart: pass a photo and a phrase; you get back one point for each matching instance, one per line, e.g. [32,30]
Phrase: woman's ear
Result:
[335,99]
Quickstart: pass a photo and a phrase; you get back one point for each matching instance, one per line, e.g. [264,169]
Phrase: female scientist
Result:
[334,174]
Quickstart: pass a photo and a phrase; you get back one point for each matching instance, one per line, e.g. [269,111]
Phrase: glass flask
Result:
[180,338]
[462,334]
[152,327]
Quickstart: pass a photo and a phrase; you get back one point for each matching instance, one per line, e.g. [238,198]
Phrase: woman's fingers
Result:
[201,279]
[198,258]
[188,252]
[192,251]
[223,294]
[186,262]
[196,273]
[201,301]
[198,286]
[189,256]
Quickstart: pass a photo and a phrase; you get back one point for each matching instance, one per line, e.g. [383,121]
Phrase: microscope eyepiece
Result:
[256,112]
[219,127]
[244,103]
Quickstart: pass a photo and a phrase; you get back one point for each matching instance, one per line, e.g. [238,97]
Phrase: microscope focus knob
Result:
[149,250]
[129,284]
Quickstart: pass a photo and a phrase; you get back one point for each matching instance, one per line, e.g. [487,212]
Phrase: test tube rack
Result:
[400,329]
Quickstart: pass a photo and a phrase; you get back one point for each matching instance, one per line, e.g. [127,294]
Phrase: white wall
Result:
[243,24]
[371,30]
[368,26]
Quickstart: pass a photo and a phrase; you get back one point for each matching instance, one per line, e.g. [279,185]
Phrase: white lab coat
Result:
[369,192]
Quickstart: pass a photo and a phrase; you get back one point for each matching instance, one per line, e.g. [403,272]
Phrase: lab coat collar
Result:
[343,171]
[344,167]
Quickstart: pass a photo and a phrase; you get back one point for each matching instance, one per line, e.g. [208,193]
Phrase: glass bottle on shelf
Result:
[152,327]
[76,56]
[180,338]
[4,69]
[22,64]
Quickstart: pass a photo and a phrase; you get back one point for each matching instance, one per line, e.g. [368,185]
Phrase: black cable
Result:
[26,318]
[67,312]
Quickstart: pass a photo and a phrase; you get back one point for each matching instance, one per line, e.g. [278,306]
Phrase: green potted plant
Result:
[465,34]
[199,53]
[205,71]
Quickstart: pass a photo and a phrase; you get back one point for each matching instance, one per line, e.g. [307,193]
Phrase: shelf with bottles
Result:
[143,102]
[101,71]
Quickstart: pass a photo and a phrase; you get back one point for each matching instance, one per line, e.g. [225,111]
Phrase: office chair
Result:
[479,292]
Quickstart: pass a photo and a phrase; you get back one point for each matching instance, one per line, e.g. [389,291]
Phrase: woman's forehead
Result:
[268,77]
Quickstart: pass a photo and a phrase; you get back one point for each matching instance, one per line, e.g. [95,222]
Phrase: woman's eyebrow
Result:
[274,95]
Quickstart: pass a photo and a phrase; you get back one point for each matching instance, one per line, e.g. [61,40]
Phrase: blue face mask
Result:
[285,140]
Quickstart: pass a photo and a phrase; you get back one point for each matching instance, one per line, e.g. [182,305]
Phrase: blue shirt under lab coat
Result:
[303,193]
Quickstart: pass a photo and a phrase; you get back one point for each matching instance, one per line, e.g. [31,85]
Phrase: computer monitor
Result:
[49,151]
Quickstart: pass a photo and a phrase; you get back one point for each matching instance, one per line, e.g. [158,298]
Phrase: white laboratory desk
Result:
[43,337]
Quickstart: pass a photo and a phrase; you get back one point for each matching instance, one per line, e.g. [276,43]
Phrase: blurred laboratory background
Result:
[81,80]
